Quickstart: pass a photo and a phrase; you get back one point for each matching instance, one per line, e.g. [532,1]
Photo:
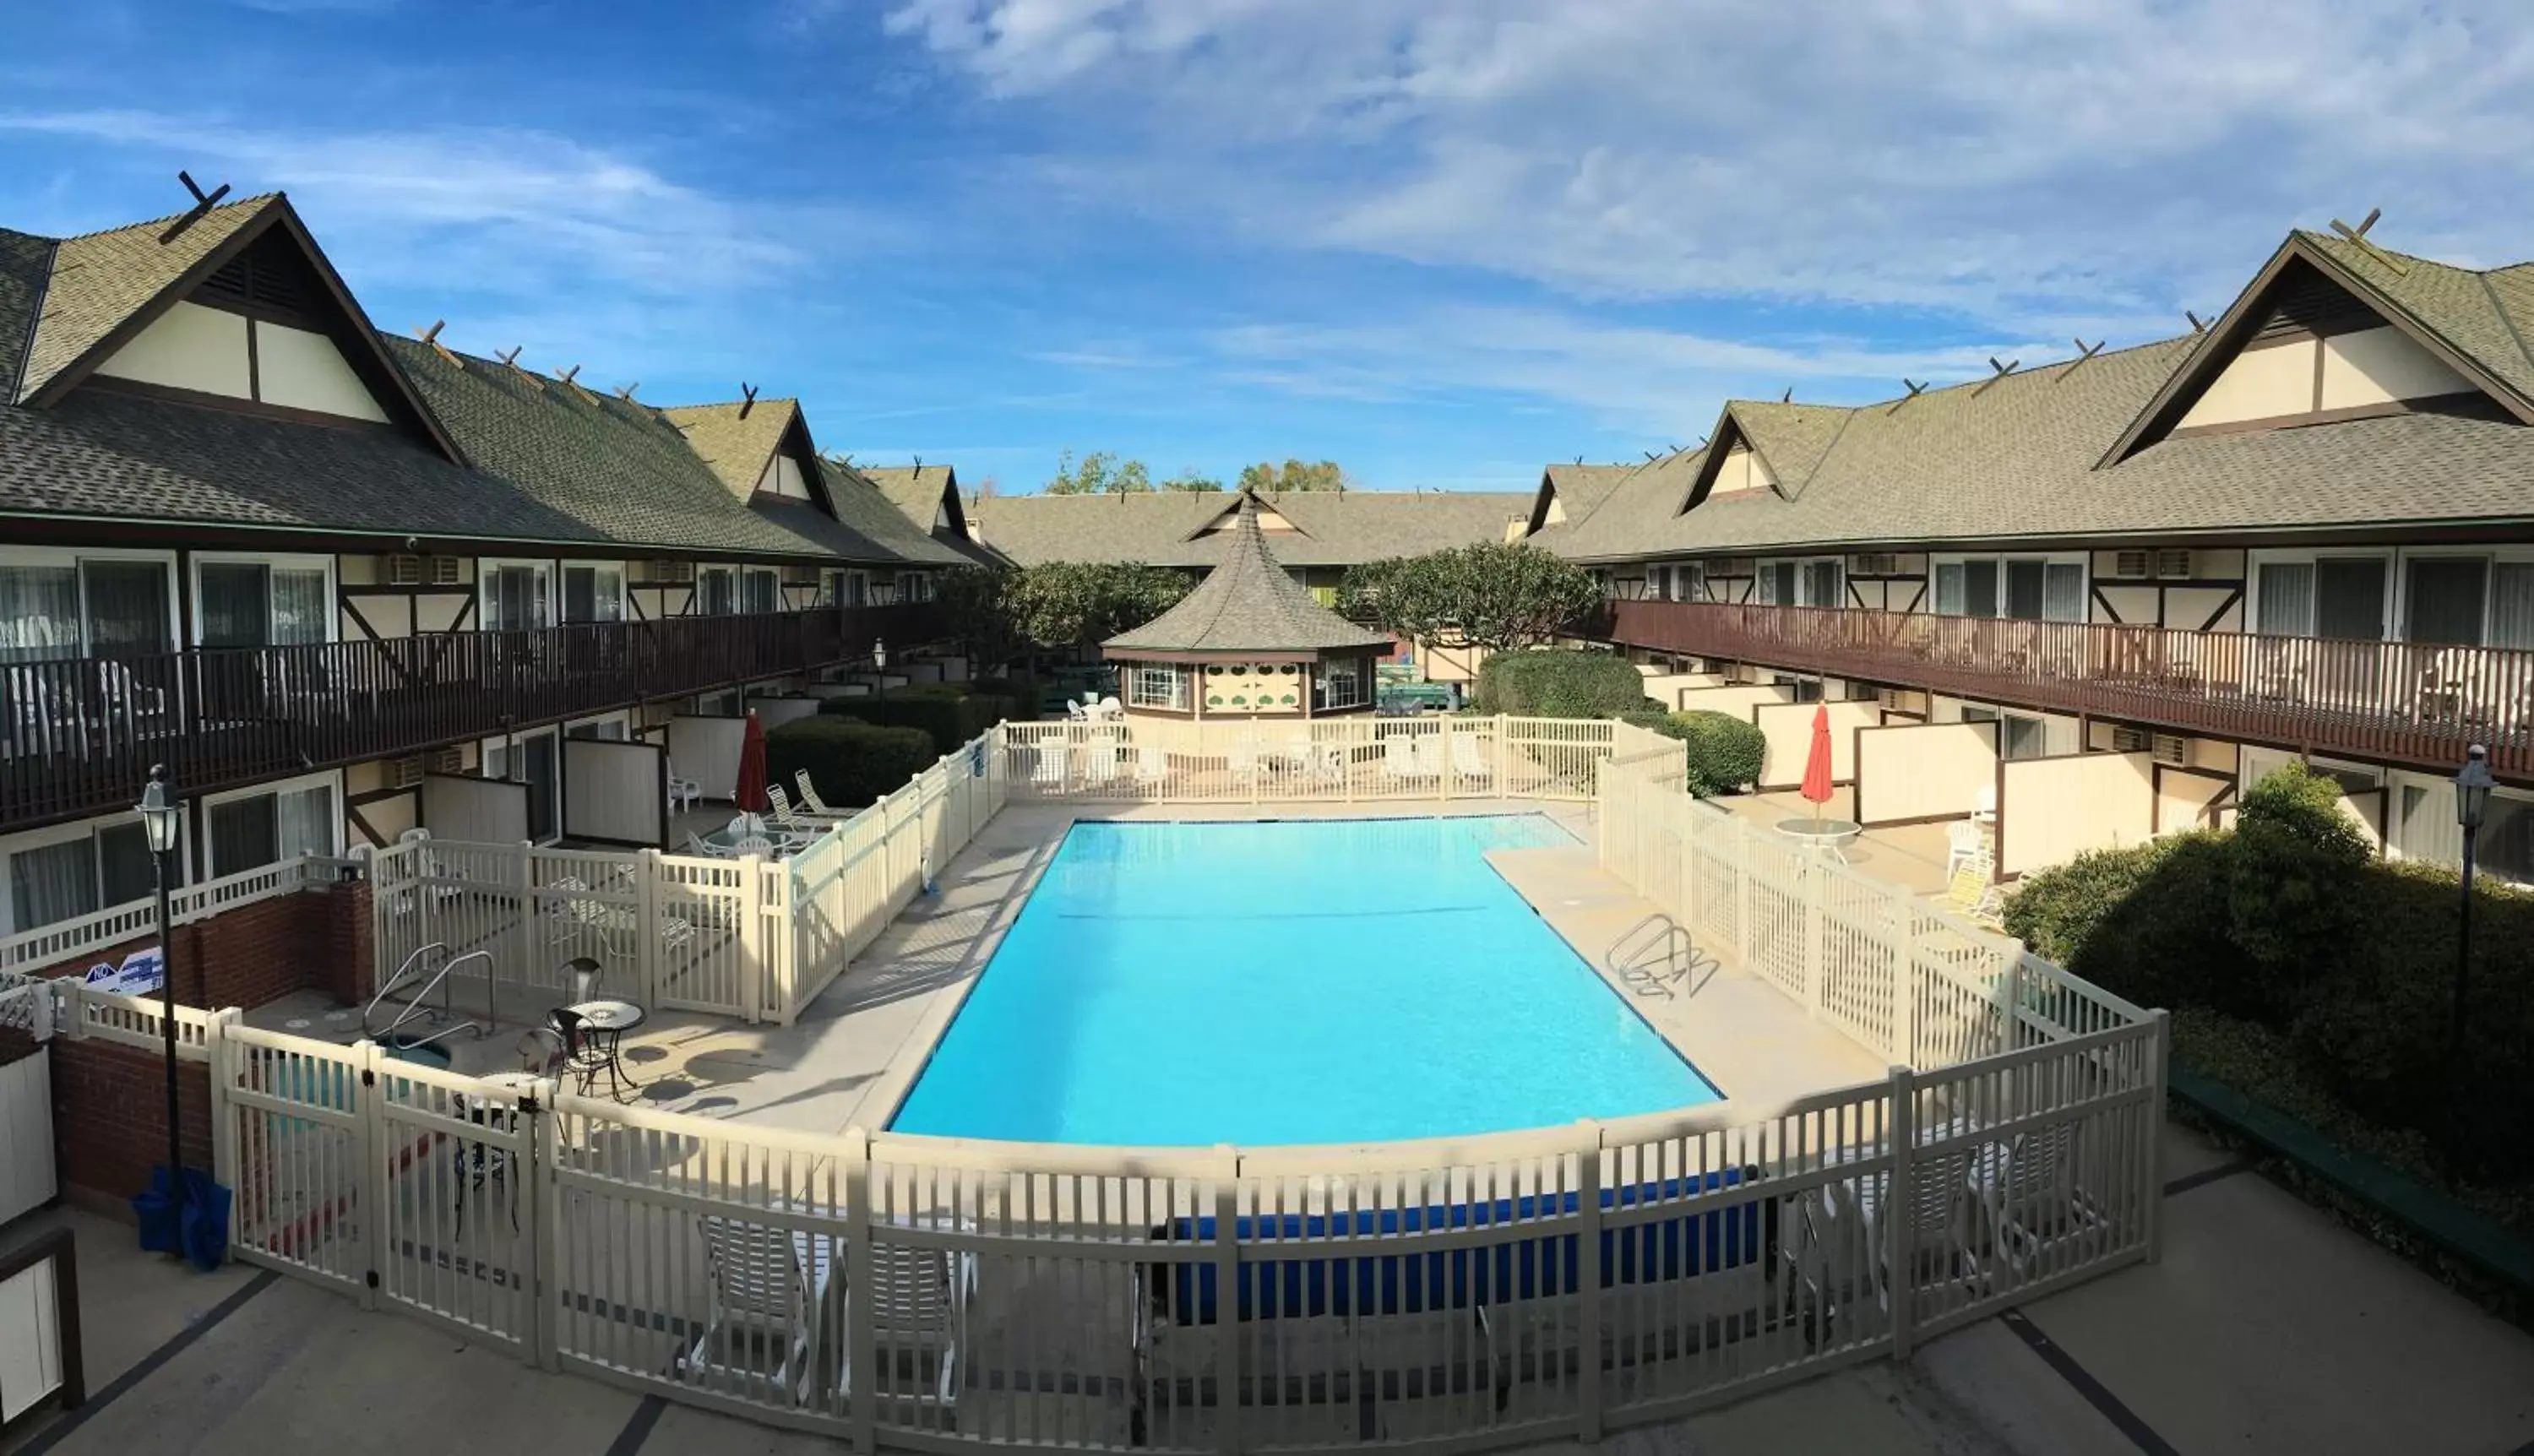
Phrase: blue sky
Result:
[1441,243]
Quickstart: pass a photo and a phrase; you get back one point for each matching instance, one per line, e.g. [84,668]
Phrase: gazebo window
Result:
[1158,685]
[1338,685]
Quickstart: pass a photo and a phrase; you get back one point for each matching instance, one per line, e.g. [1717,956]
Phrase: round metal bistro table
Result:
[610,1020]
[1827,836]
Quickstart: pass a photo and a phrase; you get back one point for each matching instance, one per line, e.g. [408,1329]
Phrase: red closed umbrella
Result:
[749,792]
[1817,762]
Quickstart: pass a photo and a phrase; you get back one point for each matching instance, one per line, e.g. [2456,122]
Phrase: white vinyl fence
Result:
[1350,760]
[928,1294]
[64,942]
[755,937]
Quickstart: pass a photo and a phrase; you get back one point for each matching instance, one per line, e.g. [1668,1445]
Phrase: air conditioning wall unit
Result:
[407,773]
[673,572]
[2131,739]
[404,568]
[2177,563]
[1875,563]
[450,760]
[2172,750]
[2133,564]
[801,576]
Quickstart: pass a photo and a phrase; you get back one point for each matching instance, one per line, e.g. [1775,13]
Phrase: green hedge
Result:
[948,713]
[852,763]
[1724,752]
[1554,684]
[2289,923]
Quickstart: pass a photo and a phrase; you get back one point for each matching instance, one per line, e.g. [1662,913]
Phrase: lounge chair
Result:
[1152,767]
[1467,763]
[1400,762]
[1075,713]
[768,1313]
[1099,766]
[1244,759]
[1972,890]
[780,809]
[809,797]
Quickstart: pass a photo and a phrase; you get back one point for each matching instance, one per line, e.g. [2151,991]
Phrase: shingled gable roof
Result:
[1579,487]
[739,439]
[860,505]
[2476,322]
[106,287]
[1248,608]
[1789,439]
[923,493]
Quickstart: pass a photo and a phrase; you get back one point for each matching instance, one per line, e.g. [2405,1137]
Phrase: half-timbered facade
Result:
[310,567]
[2306,531]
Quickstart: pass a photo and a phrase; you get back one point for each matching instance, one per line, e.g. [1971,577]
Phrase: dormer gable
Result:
[2335,330]
[1270,520]
[248,315]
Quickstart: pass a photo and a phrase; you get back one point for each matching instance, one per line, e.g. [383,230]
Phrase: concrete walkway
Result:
[2266,1328]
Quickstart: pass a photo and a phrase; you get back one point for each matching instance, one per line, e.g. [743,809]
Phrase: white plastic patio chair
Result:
[1964,843]
[1152,767]
[1426,752]
[1099,766]
[1073,712]
[1244,759]
[1111,708]
[1468,762]
[683,793]
[769,1296]
[1399,760]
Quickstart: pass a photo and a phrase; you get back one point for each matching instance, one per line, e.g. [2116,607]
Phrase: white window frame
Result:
[696,596]
[53,834]
[486,567]
[603,569]
[621,722]
[285,561]
[916,587]
[72,556]
[2441,790]
[1764,580]
[331,778]
[2082,560]
[746,576]
[1140,675]
[2389,608]
[2397,611]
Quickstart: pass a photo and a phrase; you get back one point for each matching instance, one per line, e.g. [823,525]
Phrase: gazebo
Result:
[1248,643]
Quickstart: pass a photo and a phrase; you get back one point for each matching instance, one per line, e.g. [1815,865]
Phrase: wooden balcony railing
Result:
[78,736]
[2419,703]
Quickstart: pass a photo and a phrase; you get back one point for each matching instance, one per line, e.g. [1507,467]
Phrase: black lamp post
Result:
[880,663]
[2473,783]
[161,815]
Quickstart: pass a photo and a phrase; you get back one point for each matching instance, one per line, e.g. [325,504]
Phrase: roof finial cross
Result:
[204,202]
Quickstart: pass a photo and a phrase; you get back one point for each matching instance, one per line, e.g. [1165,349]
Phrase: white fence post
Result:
[1227,1299]
[858,1367]
[2158,1050]
[646,929]
[1899,1224]
[546,1205]
[1816,965]
[751,938]
[378,1180]
[1588,1278]
[524,937]
[221,1054]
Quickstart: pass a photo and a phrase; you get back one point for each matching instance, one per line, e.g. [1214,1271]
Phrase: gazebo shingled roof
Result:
[1246,608]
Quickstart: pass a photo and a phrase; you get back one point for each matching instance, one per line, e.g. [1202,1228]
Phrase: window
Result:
[1824,584]
[277,603]
[59,605]
[1159,685]
[529,761]
[2329,598]
[916,587]
[760,590]
[90,870]
[605,730]
[517,595]
[2445,600]
[1338,685]
[253,830]
[2021,738]
[716,592]
[593,593]
[2025,589]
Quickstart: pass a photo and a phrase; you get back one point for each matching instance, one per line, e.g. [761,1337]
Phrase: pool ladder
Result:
[419,1007]
[1652,957]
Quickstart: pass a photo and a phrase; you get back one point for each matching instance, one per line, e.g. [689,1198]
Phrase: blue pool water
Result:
[1288,983]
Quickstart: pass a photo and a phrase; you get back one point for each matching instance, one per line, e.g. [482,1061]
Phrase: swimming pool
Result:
[1305,982]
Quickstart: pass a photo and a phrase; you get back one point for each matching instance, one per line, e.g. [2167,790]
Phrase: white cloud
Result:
[2031,165]
[514,210]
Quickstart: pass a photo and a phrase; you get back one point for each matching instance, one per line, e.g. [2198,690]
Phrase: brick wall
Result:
[315,940]
[111,1118]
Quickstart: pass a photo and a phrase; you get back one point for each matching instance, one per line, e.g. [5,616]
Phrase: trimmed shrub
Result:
[1556,684]
[2147,922]
[2292,890]
[852,763]
[1724,752]
[947,713]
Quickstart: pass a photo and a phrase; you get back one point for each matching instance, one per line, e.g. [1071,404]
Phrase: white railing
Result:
[1895,973]
[924,1292]
[56,945]
[755,937]
[1344,761]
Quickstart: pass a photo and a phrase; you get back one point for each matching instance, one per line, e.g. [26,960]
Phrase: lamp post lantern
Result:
[160,816]
[879,665]
[2473,783]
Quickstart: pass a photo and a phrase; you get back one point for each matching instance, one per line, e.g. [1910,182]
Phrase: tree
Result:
[1191,481]
[1490,595]
[1081,604]
[972,603]
[1294,474]
[1099,473]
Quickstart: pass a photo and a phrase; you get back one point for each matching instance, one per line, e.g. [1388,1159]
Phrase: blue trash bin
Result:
[204,1237]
